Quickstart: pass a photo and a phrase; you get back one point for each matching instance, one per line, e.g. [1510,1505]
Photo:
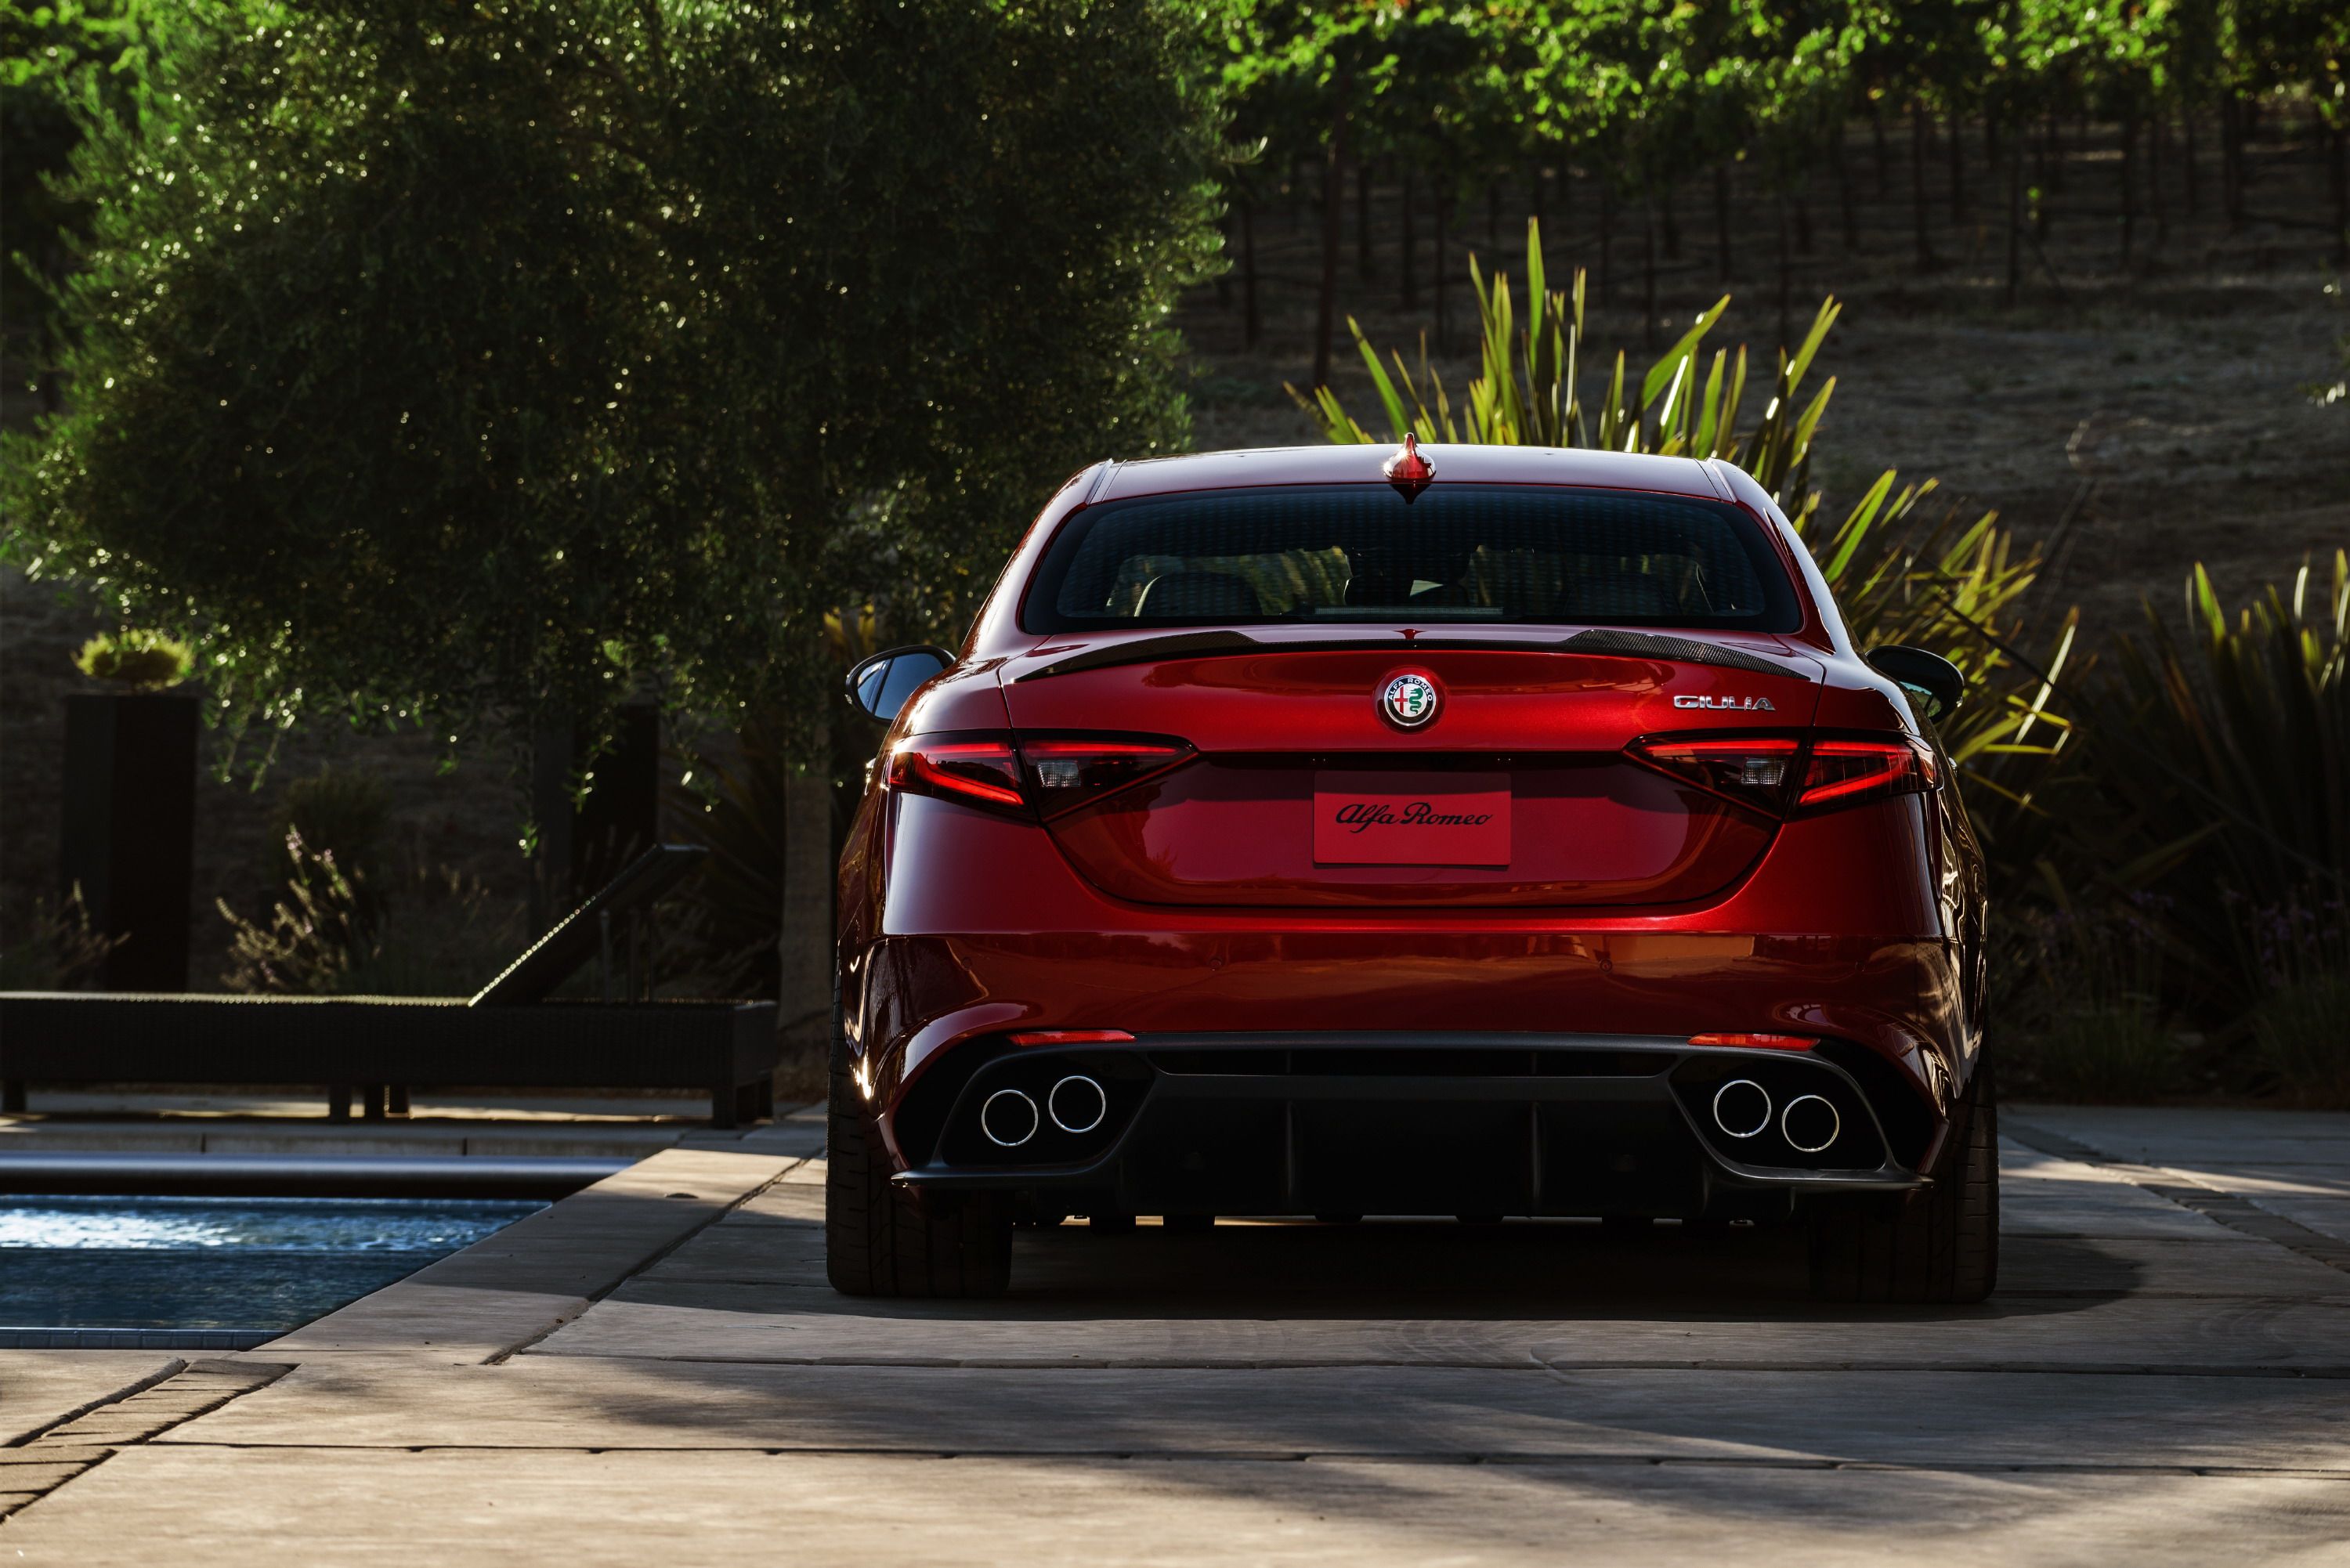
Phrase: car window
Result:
[1367,554]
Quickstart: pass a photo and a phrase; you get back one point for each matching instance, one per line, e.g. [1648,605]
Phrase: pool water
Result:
[219,1263]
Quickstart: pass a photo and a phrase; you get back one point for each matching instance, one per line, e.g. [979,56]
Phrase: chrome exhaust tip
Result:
[1742,1108]
[1076,1104]
[1009,1118]
[1809,1124]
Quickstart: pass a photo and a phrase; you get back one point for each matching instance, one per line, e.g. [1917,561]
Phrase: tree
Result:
[464,364]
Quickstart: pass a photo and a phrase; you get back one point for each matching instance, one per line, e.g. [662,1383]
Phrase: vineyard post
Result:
[2340,160]
[2157,137]
[2014,219]
[1252,319]
[1884,160]
[1846,205]
[1955,128]
[2129,183]
[2186,154]
[1919,135]
[1410,281]
[1443,234]
[1334,159]
[1649,273]
[1722,217]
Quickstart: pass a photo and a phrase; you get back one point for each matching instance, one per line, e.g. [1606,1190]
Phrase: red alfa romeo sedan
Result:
[1470,831]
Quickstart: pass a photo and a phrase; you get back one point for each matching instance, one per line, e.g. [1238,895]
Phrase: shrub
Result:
[1906,565]
[2093,1025]
[60,949]
[2300,1026]
[141,660]
[341,814]
[419,931]
[2220,761]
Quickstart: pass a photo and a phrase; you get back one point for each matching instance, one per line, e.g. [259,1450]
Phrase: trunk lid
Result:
[1516,793]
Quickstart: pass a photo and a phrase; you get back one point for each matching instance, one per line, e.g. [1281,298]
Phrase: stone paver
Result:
[634,1376]
[39,1388]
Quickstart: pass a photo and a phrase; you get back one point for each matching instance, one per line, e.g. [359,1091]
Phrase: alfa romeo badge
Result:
[1408,700]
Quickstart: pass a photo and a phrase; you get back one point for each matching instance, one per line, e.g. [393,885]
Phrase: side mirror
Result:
[1929,678]
[879,685]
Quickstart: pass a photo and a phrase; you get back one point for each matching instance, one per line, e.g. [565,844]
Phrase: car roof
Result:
[1455,463]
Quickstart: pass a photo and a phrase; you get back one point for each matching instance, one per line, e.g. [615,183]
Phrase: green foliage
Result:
[2301,1024]
[1527,391]
[415,931]
[341,814]
[2093,1023]
[2225,752]
[1902,570]
[455,364]
[141,660]
[736,807]
[314,935]
[60,949]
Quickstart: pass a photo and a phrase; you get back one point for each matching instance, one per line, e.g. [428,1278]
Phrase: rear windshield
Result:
[1363,554]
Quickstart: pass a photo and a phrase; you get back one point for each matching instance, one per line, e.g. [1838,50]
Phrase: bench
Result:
[510,1034]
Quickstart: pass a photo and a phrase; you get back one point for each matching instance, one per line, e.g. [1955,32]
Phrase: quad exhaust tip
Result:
[1742,1108]
[1810,1124]
[1009,1118]
[1076,1104]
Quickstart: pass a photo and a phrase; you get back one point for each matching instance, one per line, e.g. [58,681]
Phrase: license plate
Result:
[1411,819]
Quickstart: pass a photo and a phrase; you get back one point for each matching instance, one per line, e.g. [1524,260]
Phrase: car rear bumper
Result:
[1399,1124]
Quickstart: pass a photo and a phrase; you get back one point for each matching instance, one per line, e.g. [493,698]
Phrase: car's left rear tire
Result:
[881,1240]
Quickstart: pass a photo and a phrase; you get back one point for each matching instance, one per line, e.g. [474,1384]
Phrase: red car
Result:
[1473,831]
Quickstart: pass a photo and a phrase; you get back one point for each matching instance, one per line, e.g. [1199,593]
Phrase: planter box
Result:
[128,840]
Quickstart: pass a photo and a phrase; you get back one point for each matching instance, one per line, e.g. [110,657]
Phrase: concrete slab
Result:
[197,1507]
[2310,1180]
[764,1325]
[2192,1135]
[542,1270]
[1982,1418]
[39,1388]
[2326,1215]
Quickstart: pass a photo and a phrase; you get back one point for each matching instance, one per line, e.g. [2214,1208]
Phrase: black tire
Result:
[1938,1243]
[879,1240]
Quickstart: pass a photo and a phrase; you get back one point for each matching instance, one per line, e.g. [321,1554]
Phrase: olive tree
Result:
[459,364]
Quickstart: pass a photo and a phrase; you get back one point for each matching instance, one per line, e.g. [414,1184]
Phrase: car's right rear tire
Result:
[881,1240]
[1939,1244]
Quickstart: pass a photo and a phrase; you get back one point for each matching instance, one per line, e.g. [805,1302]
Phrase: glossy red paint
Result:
[1665,882]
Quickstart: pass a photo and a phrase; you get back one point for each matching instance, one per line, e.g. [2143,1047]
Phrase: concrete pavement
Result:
[654,1370]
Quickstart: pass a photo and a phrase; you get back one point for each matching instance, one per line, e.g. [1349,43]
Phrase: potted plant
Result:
[129,790]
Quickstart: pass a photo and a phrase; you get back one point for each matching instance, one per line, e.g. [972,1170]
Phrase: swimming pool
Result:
[216,1271]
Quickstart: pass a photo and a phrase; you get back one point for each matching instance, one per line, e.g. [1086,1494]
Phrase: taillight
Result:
[1050,775]
[1845,772]
[1786,775]
[1067,772]
[977,772]
[1751,771]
